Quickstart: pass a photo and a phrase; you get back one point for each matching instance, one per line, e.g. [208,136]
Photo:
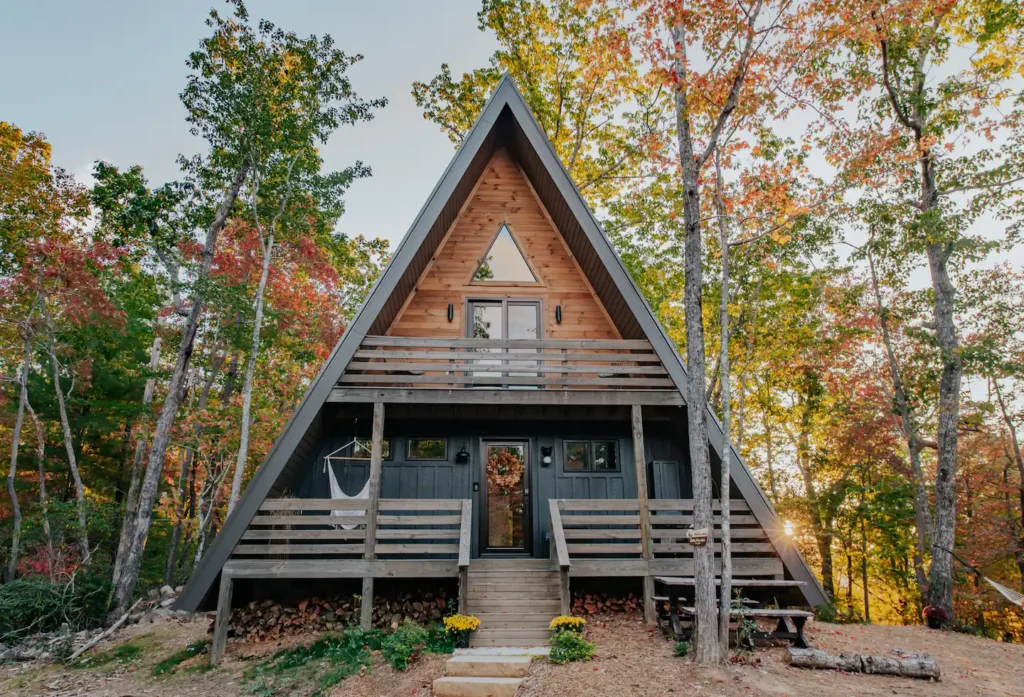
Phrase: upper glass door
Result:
[503,319]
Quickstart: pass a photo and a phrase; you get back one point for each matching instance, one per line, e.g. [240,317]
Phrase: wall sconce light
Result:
[462,457]
[451,312]
[545,456]
[558,314]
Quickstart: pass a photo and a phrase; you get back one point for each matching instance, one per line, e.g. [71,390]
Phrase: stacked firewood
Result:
[594,603]
[267,620]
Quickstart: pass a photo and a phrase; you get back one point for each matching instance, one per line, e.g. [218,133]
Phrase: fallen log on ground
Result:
[906,665]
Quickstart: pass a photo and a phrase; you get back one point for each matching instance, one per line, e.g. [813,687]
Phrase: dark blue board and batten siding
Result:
[667,470]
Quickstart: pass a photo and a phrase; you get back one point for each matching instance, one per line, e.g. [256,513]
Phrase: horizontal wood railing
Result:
[609,529]
[389,361]
[406,528]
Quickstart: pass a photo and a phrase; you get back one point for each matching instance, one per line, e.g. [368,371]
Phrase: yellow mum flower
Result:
[563,622]
[461,623]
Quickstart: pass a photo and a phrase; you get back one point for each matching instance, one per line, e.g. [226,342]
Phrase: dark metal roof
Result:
[506,121]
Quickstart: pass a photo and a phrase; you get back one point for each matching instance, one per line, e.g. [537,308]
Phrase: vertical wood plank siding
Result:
[504,196]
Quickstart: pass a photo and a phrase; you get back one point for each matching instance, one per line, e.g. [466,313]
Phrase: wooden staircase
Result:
[515,600]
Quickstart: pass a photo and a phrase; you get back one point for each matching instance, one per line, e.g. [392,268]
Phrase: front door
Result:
[506,527]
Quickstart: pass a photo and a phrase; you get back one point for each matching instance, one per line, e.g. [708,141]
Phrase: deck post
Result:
[220,629]
[640,462]
[376,457]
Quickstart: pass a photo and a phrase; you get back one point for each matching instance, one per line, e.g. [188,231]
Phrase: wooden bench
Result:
[782,631]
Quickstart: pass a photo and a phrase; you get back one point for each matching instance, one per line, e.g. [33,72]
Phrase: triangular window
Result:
[504,261]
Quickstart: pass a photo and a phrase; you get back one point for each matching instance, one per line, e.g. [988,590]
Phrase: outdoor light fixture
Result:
[545,456]
[451,312]
[558,314]
[462,457]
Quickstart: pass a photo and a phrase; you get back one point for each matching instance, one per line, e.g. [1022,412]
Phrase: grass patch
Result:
[323,663]
[171,662]
[121,654]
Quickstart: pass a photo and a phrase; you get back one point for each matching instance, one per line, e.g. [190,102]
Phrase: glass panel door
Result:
[503,319]
[523,320]
[487,321]
[507,494]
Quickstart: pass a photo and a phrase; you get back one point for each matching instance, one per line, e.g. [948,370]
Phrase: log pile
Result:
[903,664]
[267,620]
[593,603]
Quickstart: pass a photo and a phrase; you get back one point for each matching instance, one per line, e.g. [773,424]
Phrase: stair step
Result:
[531,585]
[513,572]
[487,666]
[511,594]
[534,605]
[510,564]
[510,637]
[491,619]
[476,687]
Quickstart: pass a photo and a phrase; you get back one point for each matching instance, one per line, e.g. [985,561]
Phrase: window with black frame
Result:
[590,456]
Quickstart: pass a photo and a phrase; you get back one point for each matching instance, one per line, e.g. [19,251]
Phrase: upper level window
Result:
[504,261]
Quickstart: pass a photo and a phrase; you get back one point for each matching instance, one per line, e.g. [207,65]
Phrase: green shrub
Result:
[567,647]
[30,605]
[681,649]
[439,640]
[403,646]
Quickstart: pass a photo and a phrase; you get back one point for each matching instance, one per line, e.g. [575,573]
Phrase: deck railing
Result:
[406,528]
[389,361]
[587,532]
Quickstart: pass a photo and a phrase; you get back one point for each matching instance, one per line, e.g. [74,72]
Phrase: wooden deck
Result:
[462,364]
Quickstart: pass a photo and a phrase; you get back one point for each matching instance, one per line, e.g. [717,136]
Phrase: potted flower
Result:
[459,628]
[563,623]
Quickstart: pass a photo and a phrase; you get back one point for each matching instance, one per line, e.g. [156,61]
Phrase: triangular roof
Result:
[505,121]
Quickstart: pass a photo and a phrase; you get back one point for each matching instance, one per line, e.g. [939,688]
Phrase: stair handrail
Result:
[560,553]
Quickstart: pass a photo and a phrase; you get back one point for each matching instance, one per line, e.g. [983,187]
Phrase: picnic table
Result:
[674,584]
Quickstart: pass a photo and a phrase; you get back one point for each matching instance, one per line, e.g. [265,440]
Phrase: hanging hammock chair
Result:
[336,491]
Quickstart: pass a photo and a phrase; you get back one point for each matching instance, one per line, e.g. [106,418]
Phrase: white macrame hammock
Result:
[1008,593]
[336,491]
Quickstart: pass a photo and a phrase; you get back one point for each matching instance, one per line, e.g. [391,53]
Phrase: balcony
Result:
[535,371]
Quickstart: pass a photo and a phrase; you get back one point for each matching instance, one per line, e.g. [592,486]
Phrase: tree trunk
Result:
[44,501]
[172,548]
[770,461]
[940,586]
[250,372]
[131,509]
[1018,460]
[707,649]
[69,444]
[725,593]
[864,568]
[175,393]
[12,473]
[741,407]
[909,427]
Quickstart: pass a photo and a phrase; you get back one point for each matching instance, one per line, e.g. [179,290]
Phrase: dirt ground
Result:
[631,662]
[635,662]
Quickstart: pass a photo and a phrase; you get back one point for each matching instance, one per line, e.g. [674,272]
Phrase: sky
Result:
[101,81]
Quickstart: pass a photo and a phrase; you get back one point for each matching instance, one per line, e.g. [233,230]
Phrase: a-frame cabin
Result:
[510,407]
